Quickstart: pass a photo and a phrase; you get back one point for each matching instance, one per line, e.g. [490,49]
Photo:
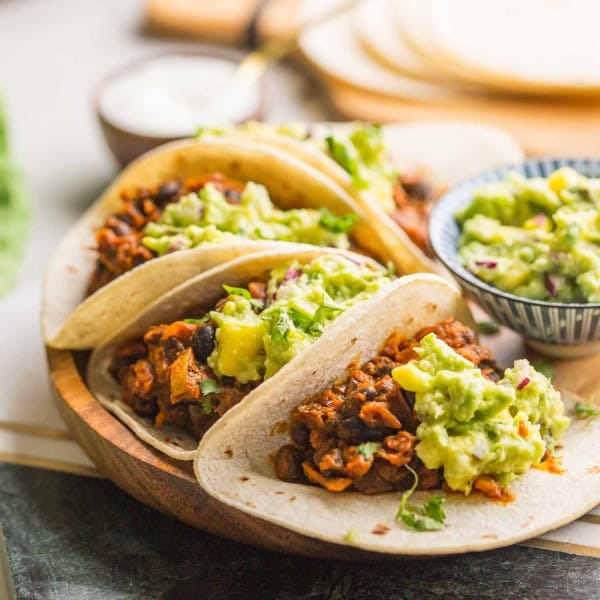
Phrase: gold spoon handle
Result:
[255,63]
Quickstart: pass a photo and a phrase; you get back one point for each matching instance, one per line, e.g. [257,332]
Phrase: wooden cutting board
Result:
[223,21]
[542,127]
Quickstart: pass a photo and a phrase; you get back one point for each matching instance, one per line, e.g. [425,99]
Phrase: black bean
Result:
[232,196]
[418,190]
[203,342]
[167,190]
[172,349]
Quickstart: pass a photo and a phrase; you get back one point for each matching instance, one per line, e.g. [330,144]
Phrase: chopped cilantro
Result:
[585,410]
[337,224]
[237,291]
[281,328]
[324,312]
[488,328]
[313,325]
[367,449]
[429,517]
[351,536]
[390,270]
[208,387]
[544,367]
[244,293]
[203,319]
[300,319]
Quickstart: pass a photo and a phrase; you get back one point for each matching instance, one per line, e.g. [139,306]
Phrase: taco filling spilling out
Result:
[362,152]
[436,405]
[406,196]
[179,215]
[190,372]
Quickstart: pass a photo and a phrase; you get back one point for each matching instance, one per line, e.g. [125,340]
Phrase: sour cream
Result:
[172,95]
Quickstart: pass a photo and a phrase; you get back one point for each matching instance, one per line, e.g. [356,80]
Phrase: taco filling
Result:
[405,196]
[179,215]
[436,403]
[192,371]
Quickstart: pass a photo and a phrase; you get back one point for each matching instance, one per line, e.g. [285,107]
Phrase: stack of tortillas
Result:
[531,66]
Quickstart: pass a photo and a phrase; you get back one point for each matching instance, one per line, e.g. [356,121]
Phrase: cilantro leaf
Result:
[367,449]
[488,328]
[544,367]
[203,319]
[433,508]
[208,387]
[301,320]
[237,291]
[313,325]
[345,154]
[429,517]
[337,224]
[585,410]
[324,312]
[281,328]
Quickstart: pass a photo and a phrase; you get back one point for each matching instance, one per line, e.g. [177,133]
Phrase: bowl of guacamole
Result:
[524,243]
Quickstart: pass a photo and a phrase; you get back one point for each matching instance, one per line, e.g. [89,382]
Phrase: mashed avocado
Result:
[536,238]
[253,342]
[206,217]
[360,151]
[472,426]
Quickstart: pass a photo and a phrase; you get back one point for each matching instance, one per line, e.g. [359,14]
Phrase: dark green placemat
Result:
[78,538]
[14,212]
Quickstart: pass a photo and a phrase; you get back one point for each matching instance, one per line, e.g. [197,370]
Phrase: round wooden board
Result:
[170,486]
[167,485]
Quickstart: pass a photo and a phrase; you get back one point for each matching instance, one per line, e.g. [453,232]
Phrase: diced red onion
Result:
[358,263]
[525,381]
[291,274]
[552,283]
[488,264]
[175,245]
[540,219]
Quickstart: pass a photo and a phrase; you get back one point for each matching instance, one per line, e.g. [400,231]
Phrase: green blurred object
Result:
[14,212]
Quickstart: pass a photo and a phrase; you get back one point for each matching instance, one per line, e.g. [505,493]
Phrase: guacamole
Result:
[360,151]
[536,238]
[472,426]
[253,341]
[207,216]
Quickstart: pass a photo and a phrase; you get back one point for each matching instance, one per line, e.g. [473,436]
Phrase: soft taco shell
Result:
[233,461]
[72,321]
[448,151]
[203,290]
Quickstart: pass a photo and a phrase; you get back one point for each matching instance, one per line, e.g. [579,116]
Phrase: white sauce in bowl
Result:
[171,96]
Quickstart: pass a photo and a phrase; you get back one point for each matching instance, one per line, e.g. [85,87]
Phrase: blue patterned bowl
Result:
[560,330]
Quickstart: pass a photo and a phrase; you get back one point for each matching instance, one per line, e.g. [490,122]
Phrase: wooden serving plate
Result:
[167,485]
[170,487]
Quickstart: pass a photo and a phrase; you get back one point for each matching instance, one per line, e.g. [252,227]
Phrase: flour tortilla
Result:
[71,321]
[447,151]
[520,46]
[334,49]
[375,28]
[203,291]
[233,461]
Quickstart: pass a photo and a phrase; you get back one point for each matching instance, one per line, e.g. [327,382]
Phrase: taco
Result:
[364,159]
[210,343]
[185,208]
[406,400]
